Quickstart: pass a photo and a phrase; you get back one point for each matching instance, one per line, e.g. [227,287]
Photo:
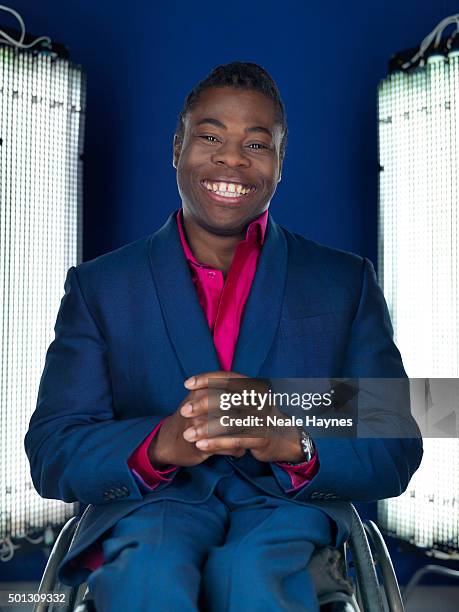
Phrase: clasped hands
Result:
[194,432]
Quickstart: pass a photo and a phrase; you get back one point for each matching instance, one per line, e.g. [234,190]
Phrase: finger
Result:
[193,397]
[213,445]
[205,402]
[210,428]
[202,428]
[195,406]
[209,400]
[200,381]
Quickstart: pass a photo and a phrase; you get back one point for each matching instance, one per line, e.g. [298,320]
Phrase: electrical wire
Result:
[38,540]
[435,37]
[9,40]
[7,548]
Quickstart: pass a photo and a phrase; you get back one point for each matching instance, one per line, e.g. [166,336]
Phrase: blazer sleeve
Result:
[379,462]
[77,449]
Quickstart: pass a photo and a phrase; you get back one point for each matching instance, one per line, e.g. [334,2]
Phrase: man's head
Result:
[229,146]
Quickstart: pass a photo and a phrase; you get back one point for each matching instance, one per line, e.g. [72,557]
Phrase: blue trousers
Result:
[240,550]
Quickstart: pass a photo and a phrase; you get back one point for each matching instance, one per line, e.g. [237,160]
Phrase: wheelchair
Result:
[358,577]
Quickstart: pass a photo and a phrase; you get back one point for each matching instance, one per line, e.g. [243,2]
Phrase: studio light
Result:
[41,140]
[418,108]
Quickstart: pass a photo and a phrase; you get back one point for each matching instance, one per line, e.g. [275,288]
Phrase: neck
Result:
[208,248]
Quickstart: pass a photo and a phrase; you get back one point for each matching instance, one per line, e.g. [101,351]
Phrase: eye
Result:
[208,137]
[258,146]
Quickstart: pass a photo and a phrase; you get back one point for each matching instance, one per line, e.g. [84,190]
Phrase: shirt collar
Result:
[257,229]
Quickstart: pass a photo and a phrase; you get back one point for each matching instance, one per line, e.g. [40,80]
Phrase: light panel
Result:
[41,131]
[418,270]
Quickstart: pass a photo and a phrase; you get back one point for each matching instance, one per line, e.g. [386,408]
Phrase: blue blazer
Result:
[130,330]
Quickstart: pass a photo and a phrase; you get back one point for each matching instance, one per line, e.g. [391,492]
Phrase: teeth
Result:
[228,194]
[231,190]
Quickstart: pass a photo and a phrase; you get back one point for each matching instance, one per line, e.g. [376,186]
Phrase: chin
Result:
[224,229]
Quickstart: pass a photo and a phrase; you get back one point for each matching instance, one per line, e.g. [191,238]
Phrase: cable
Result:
[7,548]
[38,540]
[435,37]
[7,39]
[419,575]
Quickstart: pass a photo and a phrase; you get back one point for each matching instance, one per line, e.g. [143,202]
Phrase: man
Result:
[181,517]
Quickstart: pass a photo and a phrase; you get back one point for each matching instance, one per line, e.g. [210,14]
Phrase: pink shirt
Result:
[223,304]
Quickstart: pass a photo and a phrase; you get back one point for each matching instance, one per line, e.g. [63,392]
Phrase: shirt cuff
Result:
[141,466]
[301,474]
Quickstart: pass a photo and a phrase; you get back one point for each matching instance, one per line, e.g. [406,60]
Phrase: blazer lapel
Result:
[263,309]
[182,313]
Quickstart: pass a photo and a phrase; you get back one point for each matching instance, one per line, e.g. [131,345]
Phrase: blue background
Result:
[141,58]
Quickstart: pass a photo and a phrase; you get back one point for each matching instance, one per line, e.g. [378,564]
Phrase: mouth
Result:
[225,191]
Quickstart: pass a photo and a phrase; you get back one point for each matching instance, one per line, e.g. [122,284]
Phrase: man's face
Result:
[228,164]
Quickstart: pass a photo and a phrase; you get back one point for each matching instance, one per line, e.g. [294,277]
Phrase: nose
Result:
[231,155]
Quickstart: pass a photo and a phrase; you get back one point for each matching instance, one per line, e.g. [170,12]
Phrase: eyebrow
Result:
[219,124]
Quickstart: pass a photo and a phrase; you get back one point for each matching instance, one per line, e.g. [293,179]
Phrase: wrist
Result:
[297,456]
[288,450]
[306,448]
[155,454]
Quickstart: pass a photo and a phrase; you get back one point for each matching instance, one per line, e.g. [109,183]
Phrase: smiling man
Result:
[228,157]
[178,516]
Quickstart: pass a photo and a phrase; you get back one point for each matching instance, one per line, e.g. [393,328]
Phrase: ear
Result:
[176,150]
[280,172]
[280,158]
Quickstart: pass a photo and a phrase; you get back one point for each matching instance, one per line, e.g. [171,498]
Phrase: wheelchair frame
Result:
[365,545]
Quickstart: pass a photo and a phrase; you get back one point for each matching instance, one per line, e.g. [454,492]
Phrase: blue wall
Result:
[142,58]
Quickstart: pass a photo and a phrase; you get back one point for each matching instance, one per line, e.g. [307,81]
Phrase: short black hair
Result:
[239,75]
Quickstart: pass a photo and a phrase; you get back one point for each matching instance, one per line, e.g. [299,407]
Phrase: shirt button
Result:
[211,274]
